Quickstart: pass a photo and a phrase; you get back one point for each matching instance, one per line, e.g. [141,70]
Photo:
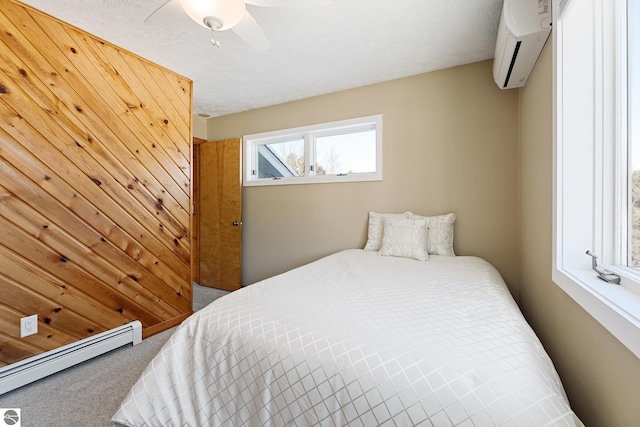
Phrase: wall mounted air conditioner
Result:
[524,28]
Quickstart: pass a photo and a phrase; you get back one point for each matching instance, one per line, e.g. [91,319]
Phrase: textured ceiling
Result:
[314,50]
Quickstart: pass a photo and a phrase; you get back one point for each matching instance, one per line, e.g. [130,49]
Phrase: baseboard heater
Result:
[37,367]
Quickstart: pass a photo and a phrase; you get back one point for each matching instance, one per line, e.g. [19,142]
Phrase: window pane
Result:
[633,127]
[281,159]
[347,153]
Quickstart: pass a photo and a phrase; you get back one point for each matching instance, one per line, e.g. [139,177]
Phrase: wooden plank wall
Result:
[95,175]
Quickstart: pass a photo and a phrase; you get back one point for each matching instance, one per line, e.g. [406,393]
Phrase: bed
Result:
[360,339]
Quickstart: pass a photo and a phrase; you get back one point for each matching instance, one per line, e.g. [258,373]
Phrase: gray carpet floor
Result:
[90,393]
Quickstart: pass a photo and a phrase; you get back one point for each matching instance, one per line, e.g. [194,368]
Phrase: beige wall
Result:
[449,145]
[199,127]
[601,376]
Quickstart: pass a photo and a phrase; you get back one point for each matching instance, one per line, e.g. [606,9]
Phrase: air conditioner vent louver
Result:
[513,61]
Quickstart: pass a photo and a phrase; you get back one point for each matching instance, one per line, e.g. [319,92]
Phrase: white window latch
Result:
[603,274]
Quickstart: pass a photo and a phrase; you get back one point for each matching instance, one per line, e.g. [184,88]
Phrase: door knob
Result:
[236,223]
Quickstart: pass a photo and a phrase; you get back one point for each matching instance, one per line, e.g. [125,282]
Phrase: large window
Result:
[348,150]
[597,160]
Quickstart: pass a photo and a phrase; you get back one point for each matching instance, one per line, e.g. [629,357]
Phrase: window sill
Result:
[615,307]
[323,179]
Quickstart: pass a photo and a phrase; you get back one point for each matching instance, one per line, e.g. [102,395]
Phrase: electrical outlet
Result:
[28,326]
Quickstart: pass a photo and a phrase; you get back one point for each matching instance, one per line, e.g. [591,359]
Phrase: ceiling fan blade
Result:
[165,14]
[287,3]
[251,32]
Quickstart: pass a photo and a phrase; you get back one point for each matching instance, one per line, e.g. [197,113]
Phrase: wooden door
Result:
[219,214]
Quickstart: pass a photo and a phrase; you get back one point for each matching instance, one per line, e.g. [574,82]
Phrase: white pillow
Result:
[440,235]
[405,237]
[375,230]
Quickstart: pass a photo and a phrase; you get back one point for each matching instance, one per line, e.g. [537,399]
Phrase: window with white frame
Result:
[597,161]
[343,151]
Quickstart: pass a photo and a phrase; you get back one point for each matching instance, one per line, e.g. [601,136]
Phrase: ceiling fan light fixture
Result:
[211,12]
[213,22]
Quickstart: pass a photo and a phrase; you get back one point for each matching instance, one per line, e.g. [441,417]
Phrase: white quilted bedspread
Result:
[356,339]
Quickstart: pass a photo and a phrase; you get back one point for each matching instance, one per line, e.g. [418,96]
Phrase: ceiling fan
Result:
[220,15]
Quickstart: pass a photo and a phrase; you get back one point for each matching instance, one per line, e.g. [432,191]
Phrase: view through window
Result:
[349,153]
[633,129]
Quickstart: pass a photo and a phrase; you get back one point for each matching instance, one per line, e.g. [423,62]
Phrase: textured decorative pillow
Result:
[405,237]
[375,230]
[440,235]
